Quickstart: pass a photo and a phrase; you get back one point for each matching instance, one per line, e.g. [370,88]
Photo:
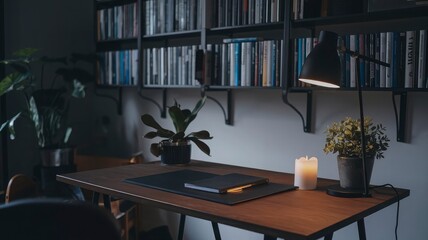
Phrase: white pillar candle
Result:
[305,173]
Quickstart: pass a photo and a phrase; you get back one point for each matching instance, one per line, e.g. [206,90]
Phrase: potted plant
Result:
[175,148]
[47,102]
[344,138]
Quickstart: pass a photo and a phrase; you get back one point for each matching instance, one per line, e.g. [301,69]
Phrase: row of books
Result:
[162,16]
[118,68]
[406,52]
[244,12]
[245,62]
[117,22]
[172,66]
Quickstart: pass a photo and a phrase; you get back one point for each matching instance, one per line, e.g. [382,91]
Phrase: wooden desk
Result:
[290,215]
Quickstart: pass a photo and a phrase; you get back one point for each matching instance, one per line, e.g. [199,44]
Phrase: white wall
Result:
[266,133]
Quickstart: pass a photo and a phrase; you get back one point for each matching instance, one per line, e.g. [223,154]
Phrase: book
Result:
[226,183]
[409,59]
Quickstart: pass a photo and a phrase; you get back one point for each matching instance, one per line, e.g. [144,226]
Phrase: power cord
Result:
[398,204]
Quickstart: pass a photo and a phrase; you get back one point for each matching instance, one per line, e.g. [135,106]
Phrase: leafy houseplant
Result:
[181,118]
[344,138]
[47,103]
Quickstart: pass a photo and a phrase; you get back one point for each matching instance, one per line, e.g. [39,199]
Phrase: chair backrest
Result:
[49,219]
[21,186]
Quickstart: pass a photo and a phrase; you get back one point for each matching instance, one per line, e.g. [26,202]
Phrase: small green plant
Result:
[344,138]
[181,118]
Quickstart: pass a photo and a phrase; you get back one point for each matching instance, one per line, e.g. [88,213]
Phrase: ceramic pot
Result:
[351,171]
[56,157]
[175,153]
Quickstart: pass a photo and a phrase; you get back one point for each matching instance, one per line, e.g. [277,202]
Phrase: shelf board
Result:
[387,20]
[210,87]
[102,4]
[114,86]
[178,34]
[398,90]
[246,28]
[117,44]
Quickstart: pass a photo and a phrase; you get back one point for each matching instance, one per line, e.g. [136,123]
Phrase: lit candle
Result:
[305,173]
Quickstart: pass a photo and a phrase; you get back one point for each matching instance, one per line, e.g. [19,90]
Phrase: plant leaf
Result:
[150,121]
[10,81]
[177,136]
[201,135]
[38,124]
[195,110]
[177,118]
[151,135]
[155,149]
[201,145]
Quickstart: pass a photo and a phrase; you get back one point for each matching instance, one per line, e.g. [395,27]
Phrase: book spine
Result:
[382,75]
[422,59]
[388,59]
[409,59]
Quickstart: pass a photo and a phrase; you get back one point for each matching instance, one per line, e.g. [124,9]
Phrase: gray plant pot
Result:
[351,171]
[175,153]
[56,157]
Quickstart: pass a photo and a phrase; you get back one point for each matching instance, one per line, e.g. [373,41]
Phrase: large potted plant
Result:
[175,147]
[344,138]
[47,102]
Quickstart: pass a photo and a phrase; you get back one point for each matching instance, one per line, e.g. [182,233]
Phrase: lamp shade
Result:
[322,66]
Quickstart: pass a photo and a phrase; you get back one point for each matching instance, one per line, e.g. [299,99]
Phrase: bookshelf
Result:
[225,45]
[366,27]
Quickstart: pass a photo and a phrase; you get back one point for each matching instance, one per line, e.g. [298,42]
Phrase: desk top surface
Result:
[296,214]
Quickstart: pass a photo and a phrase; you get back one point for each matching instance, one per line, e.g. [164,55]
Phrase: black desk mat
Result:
[174,182]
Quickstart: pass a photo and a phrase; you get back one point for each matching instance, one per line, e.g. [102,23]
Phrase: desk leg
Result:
[362,229]
[216,231]
[107,203]
[328,236]
[95,198]
[267,237]
[181,227]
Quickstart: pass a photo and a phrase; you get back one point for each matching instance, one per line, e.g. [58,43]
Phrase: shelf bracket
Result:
[307,125]
[227,114]
[117,100]
[400,115]
[162,108]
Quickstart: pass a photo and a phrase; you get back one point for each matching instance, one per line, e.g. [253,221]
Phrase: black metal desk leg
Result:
[328,236]
[216,231]
[362,229]
[107,203]
[181,227]
[267,237]
[95,198]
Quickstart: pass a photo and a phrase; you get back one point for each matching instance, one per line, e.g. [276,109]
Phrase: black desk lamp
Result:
[322,68]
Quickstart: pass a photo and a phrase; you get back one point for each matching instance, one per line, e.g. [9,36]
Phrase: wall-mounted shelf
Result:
[226,112]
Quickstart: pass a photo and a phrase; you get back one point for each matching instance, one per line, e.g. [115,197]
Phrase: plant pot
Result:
[351,171]
[57,156]
[175,153]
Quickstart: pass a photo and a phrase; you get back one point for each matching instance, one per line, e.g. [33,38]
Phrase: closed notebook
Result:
[225,183]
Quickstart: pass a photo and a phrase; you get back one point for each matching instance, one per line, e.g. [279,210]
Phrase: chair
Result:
[56,219]
[21,186]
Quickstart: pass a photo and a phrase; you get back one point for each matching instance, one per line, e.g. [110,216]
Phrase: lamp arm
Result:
[354,54]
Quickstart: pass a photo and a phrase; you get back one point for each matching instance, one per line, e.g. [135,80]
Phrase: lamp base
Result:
[338,191]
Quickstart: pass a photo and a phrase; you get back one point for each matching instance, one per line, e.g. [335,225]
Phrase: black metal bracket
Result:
[400,117]
[227,114]
[162,108]
[307,125]
[118,101]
